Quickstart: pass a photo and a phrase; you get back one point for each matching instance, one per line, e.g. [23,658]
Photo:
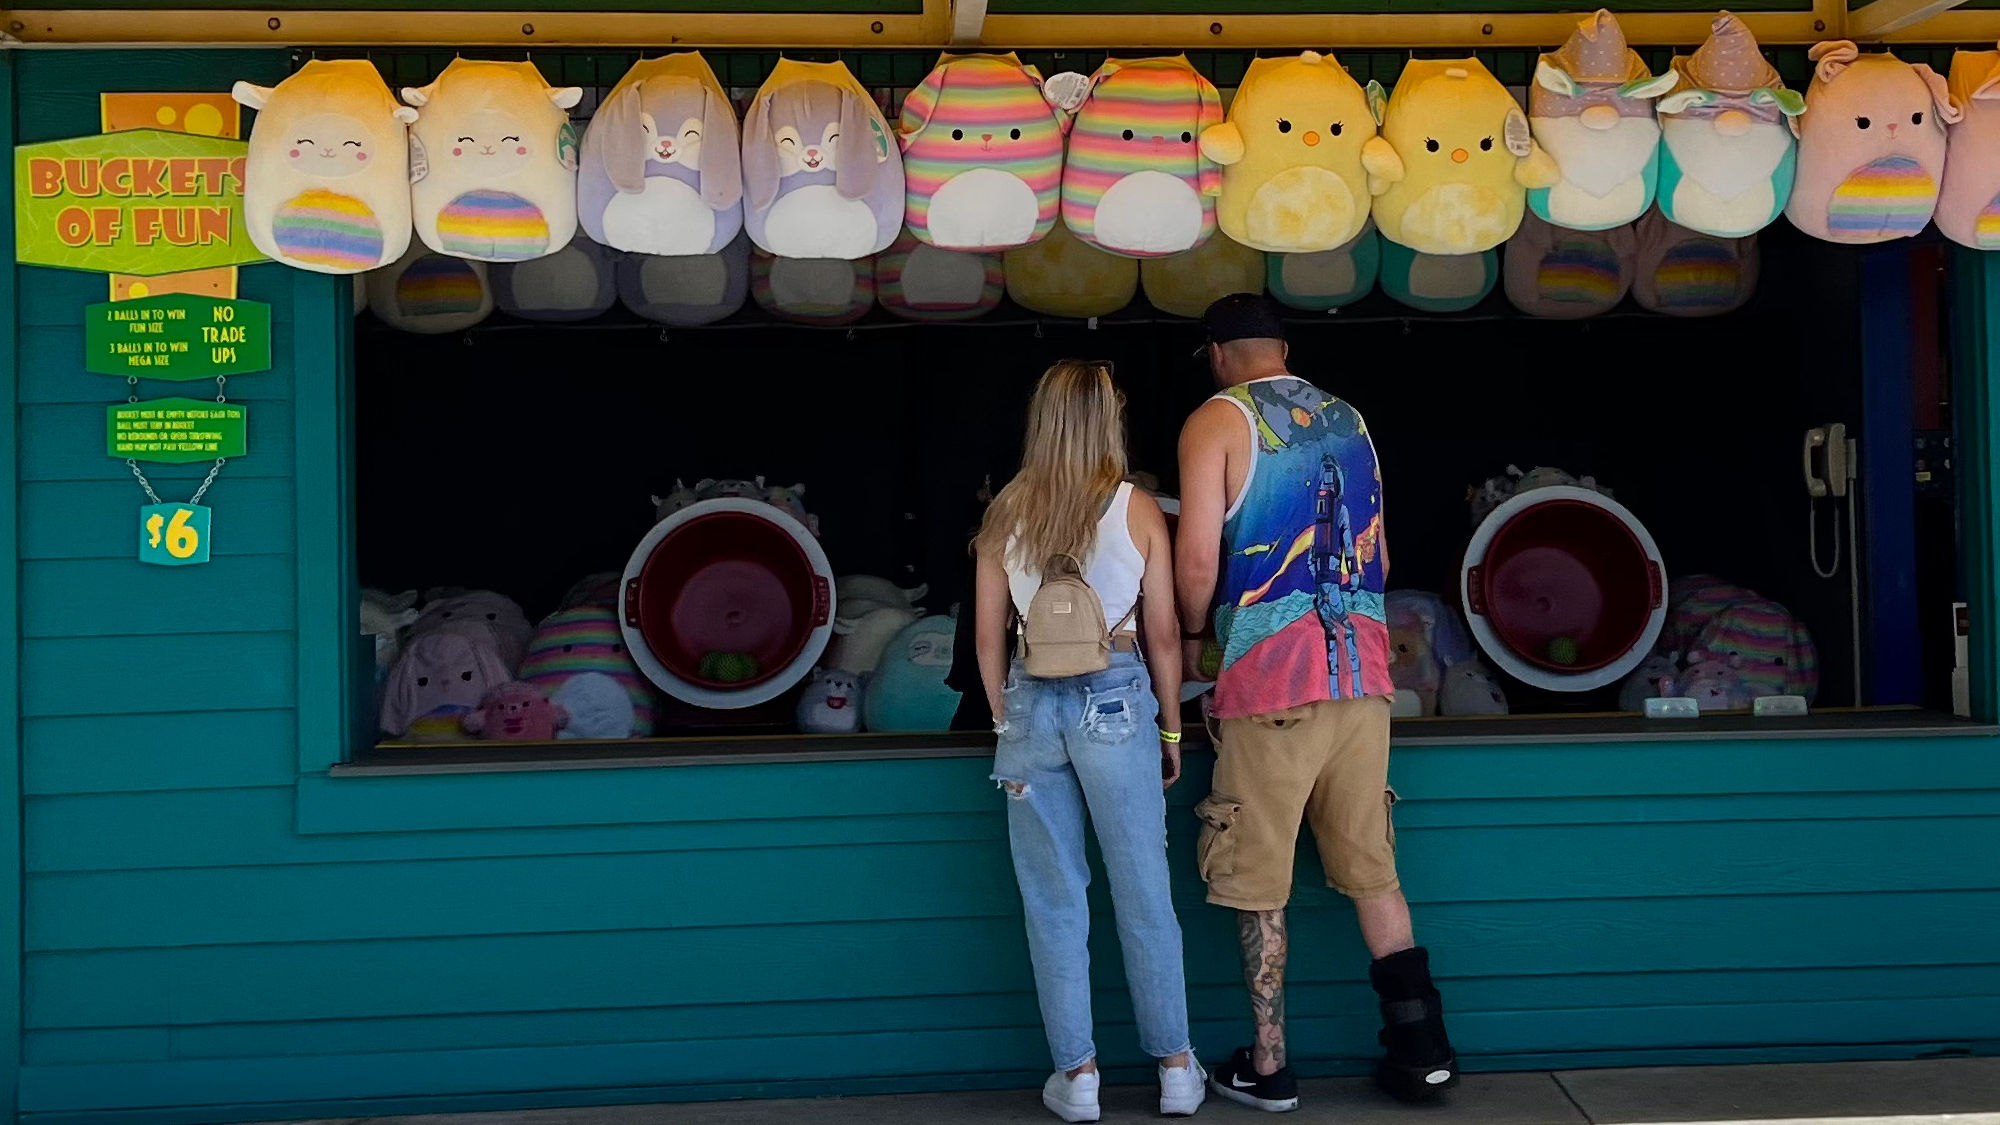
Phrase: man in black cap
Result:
[1280,535]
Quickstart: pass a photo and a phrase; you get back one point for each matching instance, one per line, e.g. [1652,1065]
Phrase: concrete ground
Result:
[1958,1091]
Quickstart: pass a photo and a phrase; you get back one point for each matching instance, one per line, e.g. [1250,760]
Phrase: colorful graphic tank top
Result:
[1299,612]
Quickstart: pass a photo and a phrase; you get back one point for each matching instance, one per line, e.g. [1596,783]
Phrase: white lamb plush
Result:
[327,183]
[493,162]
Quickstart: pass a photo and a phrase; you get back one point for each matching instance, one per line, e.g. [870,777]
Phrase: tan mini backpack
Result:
[1063,632]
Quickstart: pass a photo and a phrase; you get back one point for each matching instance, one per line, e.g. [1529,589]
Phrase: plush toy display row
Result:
[886,668]
[1725,646]
[470,664]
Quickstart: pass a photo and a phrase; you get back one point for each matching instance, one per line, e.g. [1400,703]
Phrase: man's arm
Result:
[1204,455]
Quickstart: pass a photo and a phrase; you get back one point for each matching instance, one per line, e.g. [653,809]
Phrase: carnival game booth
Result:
[542,686]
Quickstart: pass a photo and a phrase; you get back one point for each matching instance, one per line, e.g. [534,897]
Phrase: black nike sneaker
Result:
[1420,1064]
[1239,1081]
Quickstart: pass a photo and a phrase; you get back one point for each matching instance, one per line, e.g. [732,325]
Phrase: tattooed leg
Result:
[1262,934]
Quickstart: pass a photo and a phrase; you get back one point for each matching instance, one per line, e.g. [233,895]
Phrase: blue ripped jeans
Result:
[1092,742]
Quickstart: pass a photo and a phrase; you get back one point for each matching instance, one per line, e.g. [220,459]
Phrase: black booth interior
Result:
[521,456]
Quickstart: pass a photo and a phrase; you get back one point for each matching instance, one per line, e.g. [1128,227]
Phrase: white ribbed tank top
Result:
[1113,569]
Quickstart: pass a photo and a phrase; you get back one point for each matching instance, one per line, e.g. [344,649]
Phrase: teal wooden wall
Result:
[216,928]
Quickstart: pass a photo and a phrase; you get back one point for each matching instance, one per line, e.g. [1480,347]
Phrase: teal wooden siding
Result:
[215,928]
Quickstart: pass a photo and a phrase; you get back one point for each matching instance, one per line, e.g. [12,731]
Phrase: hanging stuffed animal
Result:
[660,171]
[1591,110]
[908,690]
[1136,182]
[686,290]
[1871,146]
[1185,284]
[1727,154]
[1062,275]
[493,162]
[516,712]
[1460,160]
[821,176]
[1291,152]
[327,180]
[822,291]
[1329,279]
[831,703]
[1682,273]
[572,642]
[1968,209]
[576,282]
[982,154]
[428,293]
[1564,274]
[438,680]
[1438,282]
[916,281]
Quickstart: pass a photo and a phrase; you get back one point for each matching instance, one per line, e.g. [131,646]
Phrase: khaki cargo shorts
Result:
[1325,763]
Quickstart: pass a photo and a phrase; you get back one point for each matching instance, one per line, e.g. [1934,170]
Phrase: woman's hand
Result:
[1170,763]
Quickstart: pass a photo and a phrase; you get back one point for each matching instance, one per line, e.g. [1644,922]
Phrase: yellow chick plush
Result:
[1462,160]
[1291,154]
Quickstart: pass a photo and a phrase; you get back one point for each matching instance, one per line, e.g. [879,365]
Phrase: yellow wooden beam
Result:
[1885,17]
[968,22]
[660,30]
[1959,26]
[1427,30]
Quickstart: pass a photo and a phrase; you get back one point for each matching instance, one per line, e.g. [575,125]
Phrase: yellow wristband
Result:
[1170,736]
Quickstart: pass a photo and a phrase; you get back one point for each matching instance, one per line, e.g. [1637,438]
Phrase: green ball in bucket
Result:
[728,667]
[1562,650]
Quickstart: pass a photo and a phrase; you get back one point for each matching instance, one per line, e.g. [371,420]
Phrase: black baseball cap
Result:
[1242,316]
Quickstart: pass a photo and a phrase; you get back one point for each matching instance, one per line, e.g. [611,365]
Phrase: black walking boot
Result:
[1420,1064]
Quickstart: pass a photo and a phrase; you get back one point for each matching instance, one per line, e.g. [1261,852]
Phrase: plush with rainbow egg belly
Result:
[1562,274]
[660,170]
[1968,208]
[1686,273]
[1293,180]
[1591,109]
[493,162]
[1136,182]
[822,177]
[1727,154]
[429,293]
[327,181]
[1454,178]
[982,154]
[1871,146]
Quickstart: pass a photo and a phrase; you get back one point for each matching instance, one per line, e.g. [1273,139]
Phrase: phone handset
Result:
[1825,463]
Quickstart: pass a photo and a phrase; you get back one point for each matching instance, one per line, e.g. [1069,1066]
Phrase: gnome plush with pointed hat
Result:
[1591,109]
[1727,153]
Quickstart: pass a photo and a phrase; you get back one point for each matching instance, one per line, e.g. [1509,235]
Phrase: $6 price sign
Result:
[173,534]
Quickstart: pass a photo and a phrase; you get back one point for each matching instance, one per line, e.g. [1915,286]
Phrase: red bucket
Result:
[1567,583]
[731,602]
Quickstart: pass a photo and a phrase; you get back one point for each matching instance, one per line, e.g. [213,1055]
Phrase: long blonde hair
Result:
[1071,464]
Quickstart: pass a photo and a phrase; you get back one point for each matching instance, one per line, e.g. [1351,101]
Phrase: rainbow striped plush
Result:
[919,282]
[1888,198]
[982,155]
[494,226]
[1136,182]
[1986,229]
[435,285]
[326,228]
[571,642]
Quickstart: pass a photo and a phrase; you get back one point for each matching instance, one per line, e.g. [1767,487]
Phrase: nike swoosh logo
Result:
[1237,1081]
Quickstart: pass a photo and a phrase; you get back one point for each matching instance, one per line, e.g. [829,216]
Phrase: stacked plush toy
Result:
[1432,661]
[1725,646]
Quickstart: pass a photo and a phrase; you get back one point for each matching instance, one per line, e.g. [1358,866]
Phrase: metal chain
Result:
[207,482]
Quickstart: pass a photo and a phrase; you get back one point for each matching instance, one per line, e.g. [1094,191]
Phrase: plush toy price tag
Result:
[173,534]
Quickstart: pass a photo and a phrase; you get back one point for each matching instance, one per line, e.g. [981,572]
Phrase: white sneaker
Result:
[1072,1099]
[1182,1088]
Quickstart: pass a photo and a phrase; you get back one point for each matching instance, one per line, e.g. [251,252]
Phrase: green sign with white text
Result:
[175,431]
[178,336]
[144,201]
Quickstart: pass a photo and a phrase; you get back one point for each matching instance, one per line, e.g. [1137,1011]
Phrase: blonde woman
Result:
[1106,742]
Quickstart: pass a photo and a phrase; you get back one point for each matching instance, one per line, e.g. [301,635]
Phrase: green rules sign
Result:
[175,431]
[177,336]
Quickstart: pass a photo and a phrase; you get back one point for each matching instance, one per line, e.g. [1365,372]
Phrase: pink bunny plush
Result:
[1871,146]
